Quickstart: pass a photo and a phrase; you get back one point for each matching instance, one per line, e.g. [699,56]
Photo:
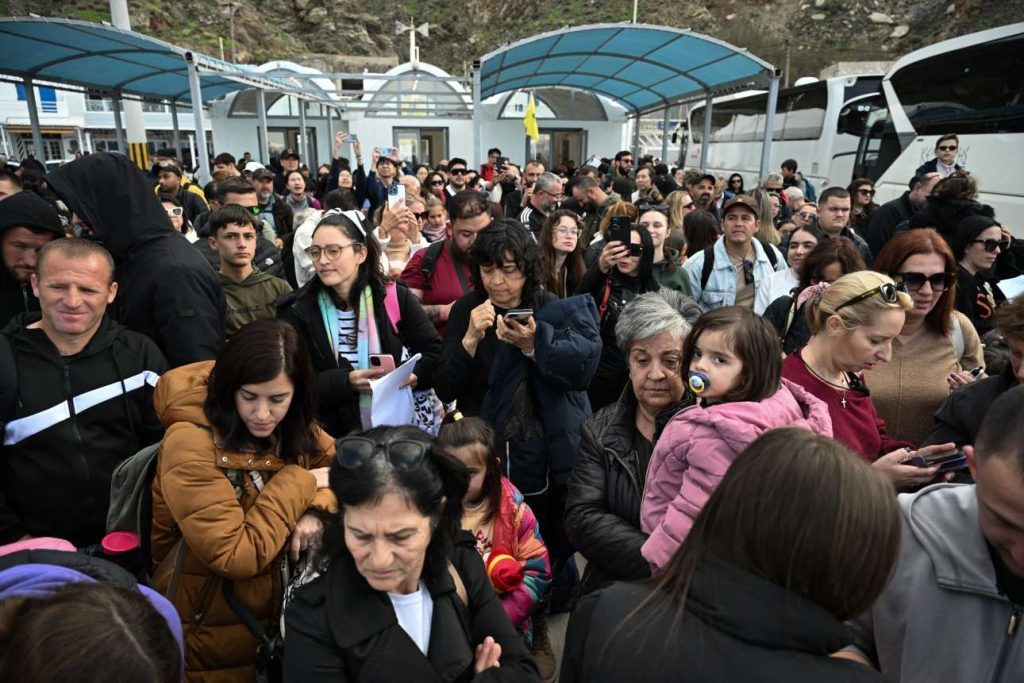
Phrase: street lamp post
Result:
[232,7]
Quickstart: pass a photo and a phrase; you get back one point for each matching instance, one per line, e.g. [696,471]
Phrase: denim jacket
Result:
[721,288]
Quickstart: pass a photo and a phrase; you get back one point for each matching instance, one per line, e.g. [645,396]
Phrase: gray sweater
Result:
[941,618]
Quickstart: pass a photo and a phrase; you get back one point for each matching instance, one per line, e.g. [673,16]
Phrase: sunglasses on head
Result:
[403,454]
[992,245]
[915,281]
[947,148]
[888,291]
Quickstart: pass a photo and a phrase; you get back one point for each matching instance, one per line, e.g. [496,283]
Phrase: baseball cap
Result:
[706,176]
[253,166]
[290,155]
[745,201]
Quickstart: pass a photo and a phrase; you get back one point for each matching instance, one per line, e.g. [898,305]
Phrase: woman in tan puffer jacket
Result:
[241,482]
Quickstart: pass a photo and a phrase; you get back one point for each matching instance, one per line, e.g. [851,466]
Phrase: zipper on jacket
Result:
[1015,613]
[1011,630]
[71,403]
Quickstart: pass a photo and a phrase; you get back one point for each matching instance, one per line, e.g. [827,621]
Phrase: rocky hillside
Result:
[819,32]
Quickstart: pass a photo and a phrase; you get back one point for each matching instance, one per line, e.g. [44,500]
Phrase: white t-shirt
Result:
[414,612]
[779,284]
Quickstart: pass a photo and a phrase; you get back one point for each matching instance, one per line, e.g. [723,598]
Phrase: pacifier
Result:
[698,381]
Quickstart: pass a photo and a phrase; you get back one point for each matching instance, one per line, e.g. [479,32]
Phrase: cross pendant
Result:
[842,401]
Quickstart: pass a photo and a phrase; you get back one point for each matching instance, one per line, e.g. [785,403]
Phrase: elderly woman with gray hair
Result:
[606,488]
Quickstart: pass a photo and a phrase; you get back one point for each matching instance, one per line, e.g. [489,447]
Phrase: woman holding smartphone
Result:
[346,314]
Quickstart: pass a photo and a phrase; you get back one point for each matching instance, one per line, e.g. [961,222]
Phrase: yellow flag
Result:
[530,120]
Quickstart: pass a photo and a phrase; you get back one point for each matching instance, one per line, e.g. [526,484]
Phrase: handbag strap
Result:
[242,612]
[176,558]
[460,587]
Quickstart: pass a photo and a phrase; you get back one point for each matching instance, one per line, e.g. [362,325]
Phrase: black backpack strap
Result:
[709,265]
[430,262]
[769,252]
[247,618]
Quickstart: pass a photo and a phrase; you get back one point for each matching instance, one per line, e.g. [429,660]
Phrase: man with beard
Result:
[547,193]
[273,209]
[884,220]
[27,224]
[170,181]
[703,193]
[457,175]
[440,274]
[594,203]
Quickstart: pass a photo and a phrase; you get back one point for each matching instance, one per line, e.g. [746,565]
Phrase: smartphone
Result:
[382,361]
[946,462]
[520,315]
[499,165]
[353,139]
[396,196]
[621,229]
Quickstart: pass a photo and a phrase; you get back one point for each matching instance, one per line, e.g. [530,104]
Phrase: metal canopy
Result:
[110,59]
[642,67]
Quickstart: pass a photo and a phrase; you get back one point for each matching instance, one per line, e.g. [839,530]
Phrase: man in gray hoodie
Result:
[953,607]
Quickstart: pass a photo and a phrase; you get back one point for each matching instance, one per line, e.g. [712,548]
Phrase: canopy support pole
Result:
[197,113]
[261,103]
[330,128]
[176,139]
[33,117]
[478,124]
[636,138]
[664,137]
[769,125]
[122,139]
[303,155]
[705,138]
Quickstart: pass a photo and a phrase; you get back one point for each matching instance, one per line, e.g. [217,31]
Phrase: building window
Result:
[46,98]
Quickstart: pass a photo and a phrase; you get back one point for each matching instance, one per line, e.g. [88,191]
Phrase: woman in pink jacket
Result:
[735,366]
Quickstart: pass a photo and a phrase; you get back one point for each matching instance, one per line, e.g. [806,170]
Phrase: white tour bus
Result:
[818,124]
[972,86]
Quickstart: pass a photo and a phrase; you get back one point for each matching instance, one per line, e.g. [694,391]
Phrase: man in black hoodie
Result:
[79,402]
[168,291]
[27,223]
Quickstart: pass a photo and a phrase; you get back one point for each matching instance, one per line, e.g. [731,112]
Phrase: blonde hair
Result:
[766,232]
[861,313]
[617,209]
[675,208]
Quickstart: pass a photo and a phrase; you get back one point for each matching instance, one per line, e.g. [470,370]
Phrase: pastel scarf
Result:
[367,341]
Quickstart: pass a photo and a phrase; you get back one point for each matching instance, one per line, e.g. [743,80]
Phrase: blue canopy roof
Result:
[642,67]
[102,57]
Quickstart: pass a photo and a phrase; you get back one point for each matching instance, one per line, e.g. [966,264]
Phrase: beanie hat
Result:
[504,571]
[28,210]
[967,230]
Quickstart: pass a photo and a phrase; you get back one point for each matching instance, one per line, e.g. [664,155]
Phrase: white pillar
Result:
[705,138]
[478,124]
[261,114]
[769,125]
[664,137]
[136,126]
[33,117]
[122,140]
[303,147]
[176,136]
[197,112]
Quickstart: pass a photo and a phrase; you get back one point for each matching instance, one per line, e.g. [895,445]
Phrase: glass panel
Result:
[804,114]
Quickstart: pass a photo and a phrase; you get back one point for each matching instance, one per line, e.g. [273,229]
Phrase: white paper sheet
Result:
[391,405]
[1012,288]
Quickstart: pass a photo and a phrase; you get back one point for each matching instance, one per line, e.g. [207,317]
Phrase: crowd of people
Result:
[779,428]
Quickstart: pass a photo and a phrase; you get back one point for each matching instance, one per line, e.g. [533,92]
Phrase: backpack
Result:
[131,497]
[709,261]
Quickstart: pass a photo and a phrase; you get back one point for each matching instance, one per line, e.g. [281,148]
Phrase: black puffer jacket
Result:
[166,290]
[794,331]
[339,405]
[943,214]
[959,417]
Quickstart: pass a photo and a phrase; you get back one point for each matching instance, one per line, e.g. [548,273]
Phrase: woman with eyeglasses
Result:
[240,487]
[936,349]
[862,196]
[346,316]
[176,214]
[621,273]
[406,597]
[781,283]
[979,241]
[853,324]
[733,187]
[668,270]
[561,254]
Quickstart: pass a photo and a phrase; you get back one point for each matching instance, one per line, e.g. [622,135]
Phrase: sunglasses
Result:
[458,171]
[807,215]
[992,245]
[888,291]
[403,454]
[421,216]
[869,193]
[177,211]
[947,148]
[915,281]
[748,272]
[644,208]
[437,182]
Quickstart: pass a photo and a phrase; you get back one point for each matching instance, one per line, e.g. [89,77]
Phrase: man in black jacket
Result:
[81,400]
[169,182]
[882,226]
[959,417]
[167,290]
[27,223]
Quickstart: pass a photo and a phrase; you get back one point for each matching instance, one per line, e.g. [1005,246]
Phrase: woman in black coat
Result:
[602,515]
[330,314]
[398,557]
[759,589]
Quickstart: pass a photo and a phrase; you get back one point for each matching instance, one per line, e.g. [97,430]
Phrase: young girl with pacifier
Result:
[494,512]
[734,366]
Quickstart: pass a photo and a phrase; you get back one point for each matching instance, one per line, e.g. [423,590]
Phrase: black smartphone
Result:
[956,460]
[499,165]
[520,315]
[620,230]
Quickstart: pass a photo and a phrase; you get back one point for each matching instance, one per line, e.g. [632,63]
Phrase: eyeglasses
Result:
[437,182]
[915,281]
[567,232]
[177,211]
[947,148]
[865,191]
[807,215]
[458,171]
[404,454]
[333,251]
[748,272]
[888,291]
[992,245]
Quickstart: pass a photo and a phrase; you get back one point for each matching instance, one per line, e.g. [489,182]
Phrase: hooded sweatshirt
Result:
[23,210]
[166,289]
[696,450]
[251,299]
[942,616]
